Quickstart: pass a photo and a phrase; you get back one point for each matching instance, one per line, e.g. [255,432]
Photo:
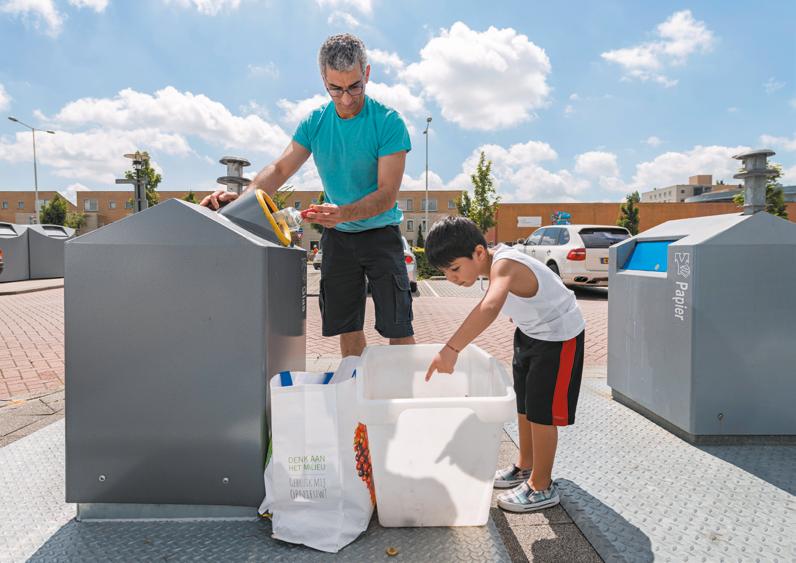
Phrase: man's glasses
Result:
[354,90]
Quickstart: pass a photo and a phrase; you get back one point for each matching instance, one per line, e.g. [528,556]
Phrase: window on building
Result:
[410,225]
[43,202]
[297,204]
[314,200]
[91,205]
[411,242]
[451,204]
[432,205]
[5,204]
[682,191]
[20,205]
[128,204]
[111,204]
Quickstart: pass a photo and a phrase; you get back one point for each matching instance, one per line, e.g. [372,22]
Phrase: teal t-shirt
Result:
[347,151]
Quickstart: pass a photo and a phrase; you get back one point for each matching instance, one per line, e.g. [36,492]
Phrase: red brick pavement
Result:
[32,341]
[436,319]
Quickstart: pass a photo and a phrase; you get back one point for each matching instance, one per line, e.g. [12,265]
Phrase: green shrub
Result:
[424,269]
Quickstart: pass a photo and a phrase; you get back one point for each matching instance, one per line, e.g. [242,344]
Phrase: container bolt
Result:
[102,478]
[721,416]
[392,552]
[225,481]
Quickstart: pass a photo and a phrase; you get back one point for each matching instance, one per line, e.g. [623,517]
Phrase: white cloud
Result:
[595,164]
[93,134]
[5,99]
[680,36]
[296,111]
[36,12]
[653,141]
[793,103]
[788,176]
[419,183]
[343,19]
[732,109]
[397,96]
[96,5]
[672,168]
[482,80]
[772,85]
[569,110]
[208,7]
[574,97]
[364,6]
[390,61]
[784,142]
[269,70]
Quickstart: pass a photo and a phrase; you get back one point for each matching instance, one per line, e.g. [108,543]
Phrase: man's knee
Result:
[352,343]
[402,341]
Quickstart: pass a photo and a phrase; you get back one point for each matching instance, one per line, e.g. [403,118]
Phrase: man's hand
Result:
[218,199]
[443,362]
[325,214]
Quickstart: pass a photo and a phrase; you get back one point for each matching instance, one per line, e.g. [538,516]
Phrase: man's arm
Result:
[390,174]
[269,179]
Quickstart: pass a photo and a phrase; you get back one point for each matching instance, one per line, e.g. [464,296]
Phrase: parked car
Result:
[409,259]
[577,253]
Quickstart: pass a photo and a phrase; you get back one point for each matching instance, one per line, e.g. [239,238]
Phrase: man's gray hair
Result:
[342,52]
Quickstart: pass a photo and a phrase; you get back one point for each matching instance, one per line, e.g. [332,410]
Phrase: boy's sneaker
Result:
[511,477]
[525,499]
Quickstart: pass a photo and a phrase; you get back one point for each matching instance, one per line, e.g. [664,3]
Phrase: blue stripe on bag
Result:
[285,379]
[328,378]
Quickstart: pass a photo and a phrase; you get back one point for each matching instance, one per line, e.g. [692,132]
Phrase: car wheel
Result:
[413,287]
[553,266]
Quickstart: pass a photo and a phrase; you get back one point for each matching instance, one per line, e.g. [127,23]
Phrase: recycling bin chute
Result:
[175,319]
[14,261]
[46,250]
[701,326]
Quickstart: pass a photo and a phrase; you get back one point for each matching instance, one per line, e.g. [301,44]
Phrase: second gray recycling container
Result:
[46,250]
[702,325]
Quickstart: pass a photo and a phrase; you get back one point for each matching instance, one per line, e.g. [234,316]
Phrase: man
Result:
[360,147]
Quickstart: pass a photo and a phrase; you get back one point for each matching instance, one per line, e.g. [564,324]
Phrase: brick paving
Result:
[31,343]
[32,340]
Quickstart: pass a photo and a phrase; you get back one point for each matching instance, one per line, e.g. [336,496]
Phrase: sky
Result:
[571,101]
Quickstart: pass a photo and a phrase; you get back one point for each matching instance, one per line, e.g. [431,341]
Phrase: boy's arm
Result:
[483,315]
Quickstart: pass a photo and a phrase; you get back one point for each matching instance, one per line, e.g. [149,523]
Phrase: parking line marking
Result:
[431,289]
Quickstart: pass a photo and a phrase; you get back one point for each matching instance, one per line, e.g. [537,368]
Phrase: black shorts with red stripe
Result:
[547,378]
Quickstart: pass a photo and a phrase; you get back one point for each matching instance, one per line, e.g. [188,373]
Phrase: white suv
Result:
[577,253]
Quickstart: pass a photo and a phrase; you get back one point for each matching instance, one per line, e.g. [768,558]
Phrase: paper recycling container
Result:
[701,327]
[46,246]
[434,445]
[14,263]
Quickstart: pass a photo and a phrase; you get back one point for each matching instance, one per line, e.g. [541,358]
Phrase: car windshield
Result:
[602,237]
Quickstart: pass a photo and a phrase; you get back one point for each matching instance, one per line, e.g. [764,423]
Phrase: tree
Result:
[190,197]
[152,180]
[316,226]
[485,199]
[464,204]
[628,213]
[775,195]
[420,242]
[282,196]
[54,213]
[75,220]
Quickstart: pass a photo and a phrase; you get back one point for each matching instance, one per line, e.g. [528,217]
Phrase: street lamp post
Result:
[35,171]
[428,124]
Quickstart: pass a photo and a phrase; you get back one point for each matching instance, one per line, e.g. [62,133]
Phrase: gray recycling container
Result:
[14,262]
[702,325]
[46,250]
[175,318]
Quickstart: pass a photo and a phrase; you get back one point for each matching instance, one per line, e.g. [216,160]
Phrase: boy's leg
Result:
[526,455]
[545,441]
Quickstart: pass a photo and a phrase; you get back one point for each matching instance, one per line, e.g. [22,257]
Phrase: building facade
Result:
[696,186]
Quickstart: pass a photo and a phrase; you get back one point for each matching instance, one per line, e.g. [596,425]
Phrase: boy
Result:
[548,348]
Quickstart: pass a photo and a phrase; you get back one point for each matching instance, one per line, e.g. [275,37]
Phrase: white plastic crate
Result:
[434,445]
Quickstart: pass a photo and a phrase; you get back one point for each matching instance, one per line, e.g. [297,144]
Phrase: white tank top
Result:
[553,313]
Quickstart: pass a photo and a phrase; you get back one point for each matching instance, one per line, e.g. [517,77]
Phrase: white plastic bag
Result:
[313,487]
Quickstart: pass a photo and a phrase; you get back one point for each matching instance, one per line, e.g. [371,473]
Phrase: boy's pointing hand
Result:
[443,362]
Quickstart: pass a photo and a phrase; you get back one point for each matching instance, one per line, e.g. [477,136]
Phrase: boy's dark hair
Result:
[452,238]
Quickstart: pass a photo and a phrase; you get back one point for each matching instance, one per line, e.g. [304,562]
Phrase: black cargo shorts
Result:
[350,261]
